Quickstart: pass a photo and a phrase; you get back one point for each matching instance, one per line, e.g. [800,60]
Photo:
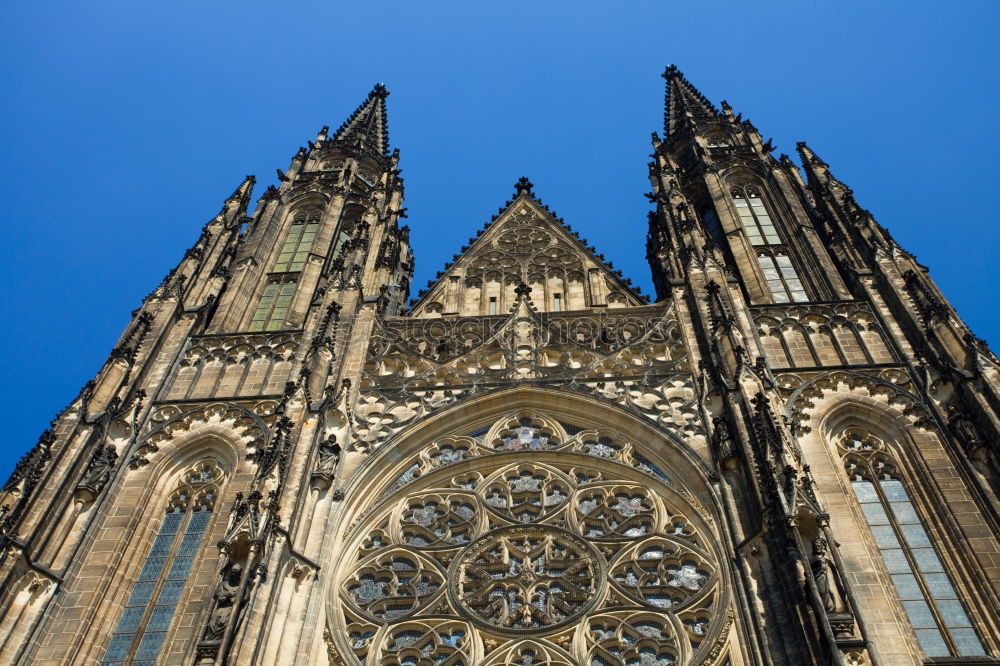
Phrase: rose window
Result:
[543,543]
[523,578]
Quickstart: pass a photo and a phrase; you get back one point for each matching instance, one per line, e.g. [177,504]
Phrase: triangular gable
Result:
[525,244]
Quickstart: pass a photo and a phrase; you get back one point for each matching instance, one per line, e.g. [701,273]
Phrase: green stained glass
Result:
[274,305]
[297,245]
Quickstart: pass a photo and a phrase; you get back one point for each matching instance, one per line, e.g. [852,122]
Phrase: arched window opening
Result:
[274,304]
[151,606]
[298,242]
[754,217]
[926,591]
[781,277]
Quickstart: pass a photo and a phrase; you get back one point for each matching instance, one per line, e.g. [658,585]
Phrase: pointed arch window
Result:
[152,603]
[938,618]
[754,217]
[782,279]
[298,242]
[274,304]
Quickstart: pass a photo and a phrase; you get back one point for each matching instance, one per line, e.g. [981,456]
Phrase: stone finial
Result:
[523,186]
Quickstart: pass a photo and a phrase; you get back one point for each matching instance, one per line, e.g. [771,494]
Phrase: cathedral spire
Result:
[682,101]
[368,126]
[809,157]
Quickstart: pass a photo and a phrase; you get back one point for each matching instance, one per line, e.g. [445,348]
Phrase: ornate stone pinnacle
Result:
[522,290]
[523,185]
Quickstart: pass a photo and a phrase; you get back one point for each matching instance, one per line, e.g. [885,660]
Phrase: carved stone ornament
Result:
[523,578]
[530,541]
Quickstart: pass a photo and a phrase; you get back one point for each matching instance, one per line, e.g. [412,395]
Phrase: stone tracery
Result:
[531,541]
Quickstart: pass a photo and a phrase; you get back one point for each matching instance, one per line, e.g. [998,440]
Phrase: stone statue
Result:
[821,565]
[100,468]
[225,601]
[329,456]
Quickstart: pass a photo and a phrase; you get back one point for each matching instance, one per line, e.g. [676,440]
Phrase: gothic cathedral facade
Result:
[790,457]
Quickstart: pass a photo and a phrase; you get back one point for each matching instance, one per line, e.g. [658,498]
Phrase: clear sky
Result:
[123,126]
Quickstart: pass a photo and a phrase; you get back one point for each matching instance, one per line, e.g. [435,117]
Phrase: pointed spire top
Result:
[523,186]
[809,158]
[683,99]
[368,126]
[243,191]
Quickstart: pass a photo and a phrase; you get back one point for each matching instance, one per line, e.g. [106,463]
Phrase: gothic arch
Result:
[901,451]
[548,479]
[195,472]
[241,428]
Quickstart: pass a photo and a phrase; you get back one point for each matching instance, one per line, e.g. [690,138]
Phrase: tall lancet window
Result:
[775,263]
[150,608]
[755,218]
[274,304]
[932,606]
[298,242]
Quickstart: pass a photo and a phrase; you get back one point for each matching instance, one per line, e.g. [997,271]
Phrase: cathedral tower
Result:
[790,457]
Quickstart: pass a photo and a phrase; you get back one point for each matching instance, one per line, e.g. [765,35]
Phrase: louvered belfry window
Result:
[152,603]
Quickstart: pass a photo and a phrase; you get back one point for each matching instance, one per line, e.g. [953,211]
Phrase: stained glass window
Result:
[755,219]
[274,305]
[338,246]
[938,619]
[781,278]
[298,242]
[149,610]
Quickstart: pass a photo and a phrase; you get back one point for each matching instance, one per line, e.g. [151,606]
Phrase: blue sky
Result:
[124,125]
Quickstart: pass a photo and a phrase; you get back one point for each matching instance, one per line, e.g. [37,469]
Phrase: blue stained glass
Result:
[907,586]
[161,547]
[150,644]
[927,560]
[118,649]
[130,620]
[160,619]
[952,613]
[967,643]
[916,536]
[140,594]
[875,514]
[920,614]
[895,561]
[894,491]
[885,536]
[905,515]
[189,546]
[939,586]
[171,592]
[180,568]
[932,643]
[152,568]
[865,491]
[199,519]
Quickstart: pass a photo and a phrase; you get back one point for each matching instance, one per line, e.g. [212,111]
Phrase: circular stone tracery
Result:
[523,579]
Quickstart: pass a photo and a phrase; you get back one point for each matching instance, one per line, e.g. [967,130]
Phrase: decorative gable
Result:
[525,244]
